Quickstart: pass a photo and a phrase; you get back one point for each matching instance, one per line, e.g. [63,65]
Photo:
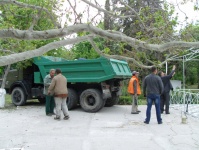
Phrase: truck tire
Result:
[91,100]
[113,100]
[42,100]
[72,99]
[18,96]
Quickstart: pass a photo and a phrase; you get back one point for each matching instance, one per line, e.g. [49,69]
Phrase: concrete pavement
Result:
[114,128]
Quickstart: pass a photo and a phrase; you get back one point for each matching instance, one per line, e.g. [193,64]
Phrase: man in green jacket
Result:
[50,104]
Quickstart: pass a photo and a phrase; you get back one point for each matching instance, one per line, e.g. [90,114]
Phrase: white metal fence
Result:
[186,100]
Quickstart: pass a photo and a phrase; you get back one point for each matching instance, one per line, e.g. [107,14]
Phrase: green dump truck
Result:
[92,83]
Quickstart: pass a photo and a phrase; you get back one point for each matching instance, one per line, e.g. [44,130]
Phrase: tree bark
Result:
[5,76]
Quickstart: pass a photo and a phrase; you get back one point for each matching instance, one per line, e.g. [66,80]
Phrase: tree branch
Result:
[58,33]
[105,11]
[116,56]
[137,15]
[13,58]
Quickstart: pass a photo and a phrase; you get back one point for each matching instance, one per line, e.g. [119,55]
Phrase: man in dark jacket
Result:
[152,89]
[165,97]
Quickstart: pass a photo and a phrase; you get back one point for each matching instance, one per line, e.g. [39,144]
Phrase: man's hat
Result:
[134,72]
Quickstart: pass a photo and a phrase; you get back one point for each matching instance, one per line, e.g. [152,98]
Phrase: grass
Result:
[193,86]
[10,105]
[125,99]
[8,99]
[8,102]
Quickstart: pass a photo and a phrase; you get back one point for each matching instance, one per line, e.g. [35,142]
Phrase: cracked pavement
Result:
[112,128]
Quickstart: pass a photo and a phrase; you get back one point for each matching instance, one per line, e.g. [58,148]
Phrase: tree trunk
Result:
[106,16]
[5,76]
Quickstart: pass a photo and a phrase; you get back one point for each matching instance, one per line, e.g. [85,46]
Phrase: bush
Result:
[127,100]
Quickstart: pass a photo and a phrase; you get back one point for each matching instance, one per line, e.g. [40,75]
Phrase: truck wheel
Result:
[42,100]
[72,99]
[91,100]
[18,96]
[113,100]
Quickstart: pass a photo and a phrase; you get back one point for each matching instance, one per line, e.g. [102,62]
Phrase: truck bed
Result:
[83,70]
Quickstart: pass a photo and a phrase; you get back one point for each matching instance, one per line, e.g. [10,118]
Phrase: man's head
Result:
[58,71]
[52,72]
[135,73]
[161,73]
[154,70]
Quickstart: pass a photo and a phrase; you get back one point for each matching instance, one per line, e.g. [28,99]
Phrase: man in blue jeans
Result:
[152,89]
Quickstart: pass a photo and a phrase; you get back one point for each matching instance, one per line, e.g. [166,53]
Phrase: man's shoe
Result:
[146,122]
[160,122]
[49,114]
[52,113]
[134,112]
[138,111]
[57,118]
[66,117]
[167,112]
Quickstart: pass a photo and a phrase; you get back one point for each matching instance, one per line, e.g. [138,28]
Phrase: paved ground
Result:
[110,129]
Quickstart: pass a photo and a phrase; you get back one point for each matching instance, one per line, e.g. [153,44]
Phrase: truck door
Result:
[12,77]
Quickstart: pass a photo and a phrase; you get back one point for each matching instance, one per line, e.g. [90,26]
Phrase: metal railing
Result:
[187,100]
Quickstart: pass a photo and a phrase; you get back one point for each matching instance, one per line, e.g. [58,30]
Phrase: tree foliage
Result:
[25,18]
[191,33]
[141,32]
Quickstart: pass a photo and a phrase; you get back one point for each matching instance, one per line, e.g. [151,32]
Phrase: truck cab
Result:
[20,85]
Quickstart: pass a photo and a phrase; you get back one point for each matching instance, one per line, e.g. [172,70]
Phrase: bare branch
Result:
[105,11]
[35,19]
[75,12]
[13,58]
[137,15]
[117,56]
[55,33]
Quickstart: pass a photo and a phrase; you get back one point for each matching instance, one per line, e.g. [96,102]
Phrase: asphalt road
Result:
[114,128]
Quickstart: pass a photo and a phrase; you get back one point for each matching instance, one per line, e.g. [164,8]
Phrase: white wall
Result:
[176,84]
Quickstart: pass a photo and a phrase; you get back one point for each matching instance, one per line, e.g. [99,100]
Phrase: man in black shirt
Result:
[165,97]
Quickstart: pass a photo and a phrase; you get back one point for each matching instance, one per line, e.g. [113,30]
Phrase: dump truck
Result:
[92,83]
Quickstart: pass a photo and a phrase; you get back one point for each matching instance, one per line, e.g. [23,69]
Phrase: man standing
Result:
[152,88]
[59,87]
[50,104]
[165,97]
[134,90]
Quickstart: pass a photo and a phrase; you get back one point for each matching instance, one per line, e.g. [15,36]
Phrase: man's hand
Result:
[174,67]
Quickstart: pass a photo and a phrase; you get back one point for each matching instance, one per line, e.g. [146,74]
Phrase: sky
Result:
[185,10]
